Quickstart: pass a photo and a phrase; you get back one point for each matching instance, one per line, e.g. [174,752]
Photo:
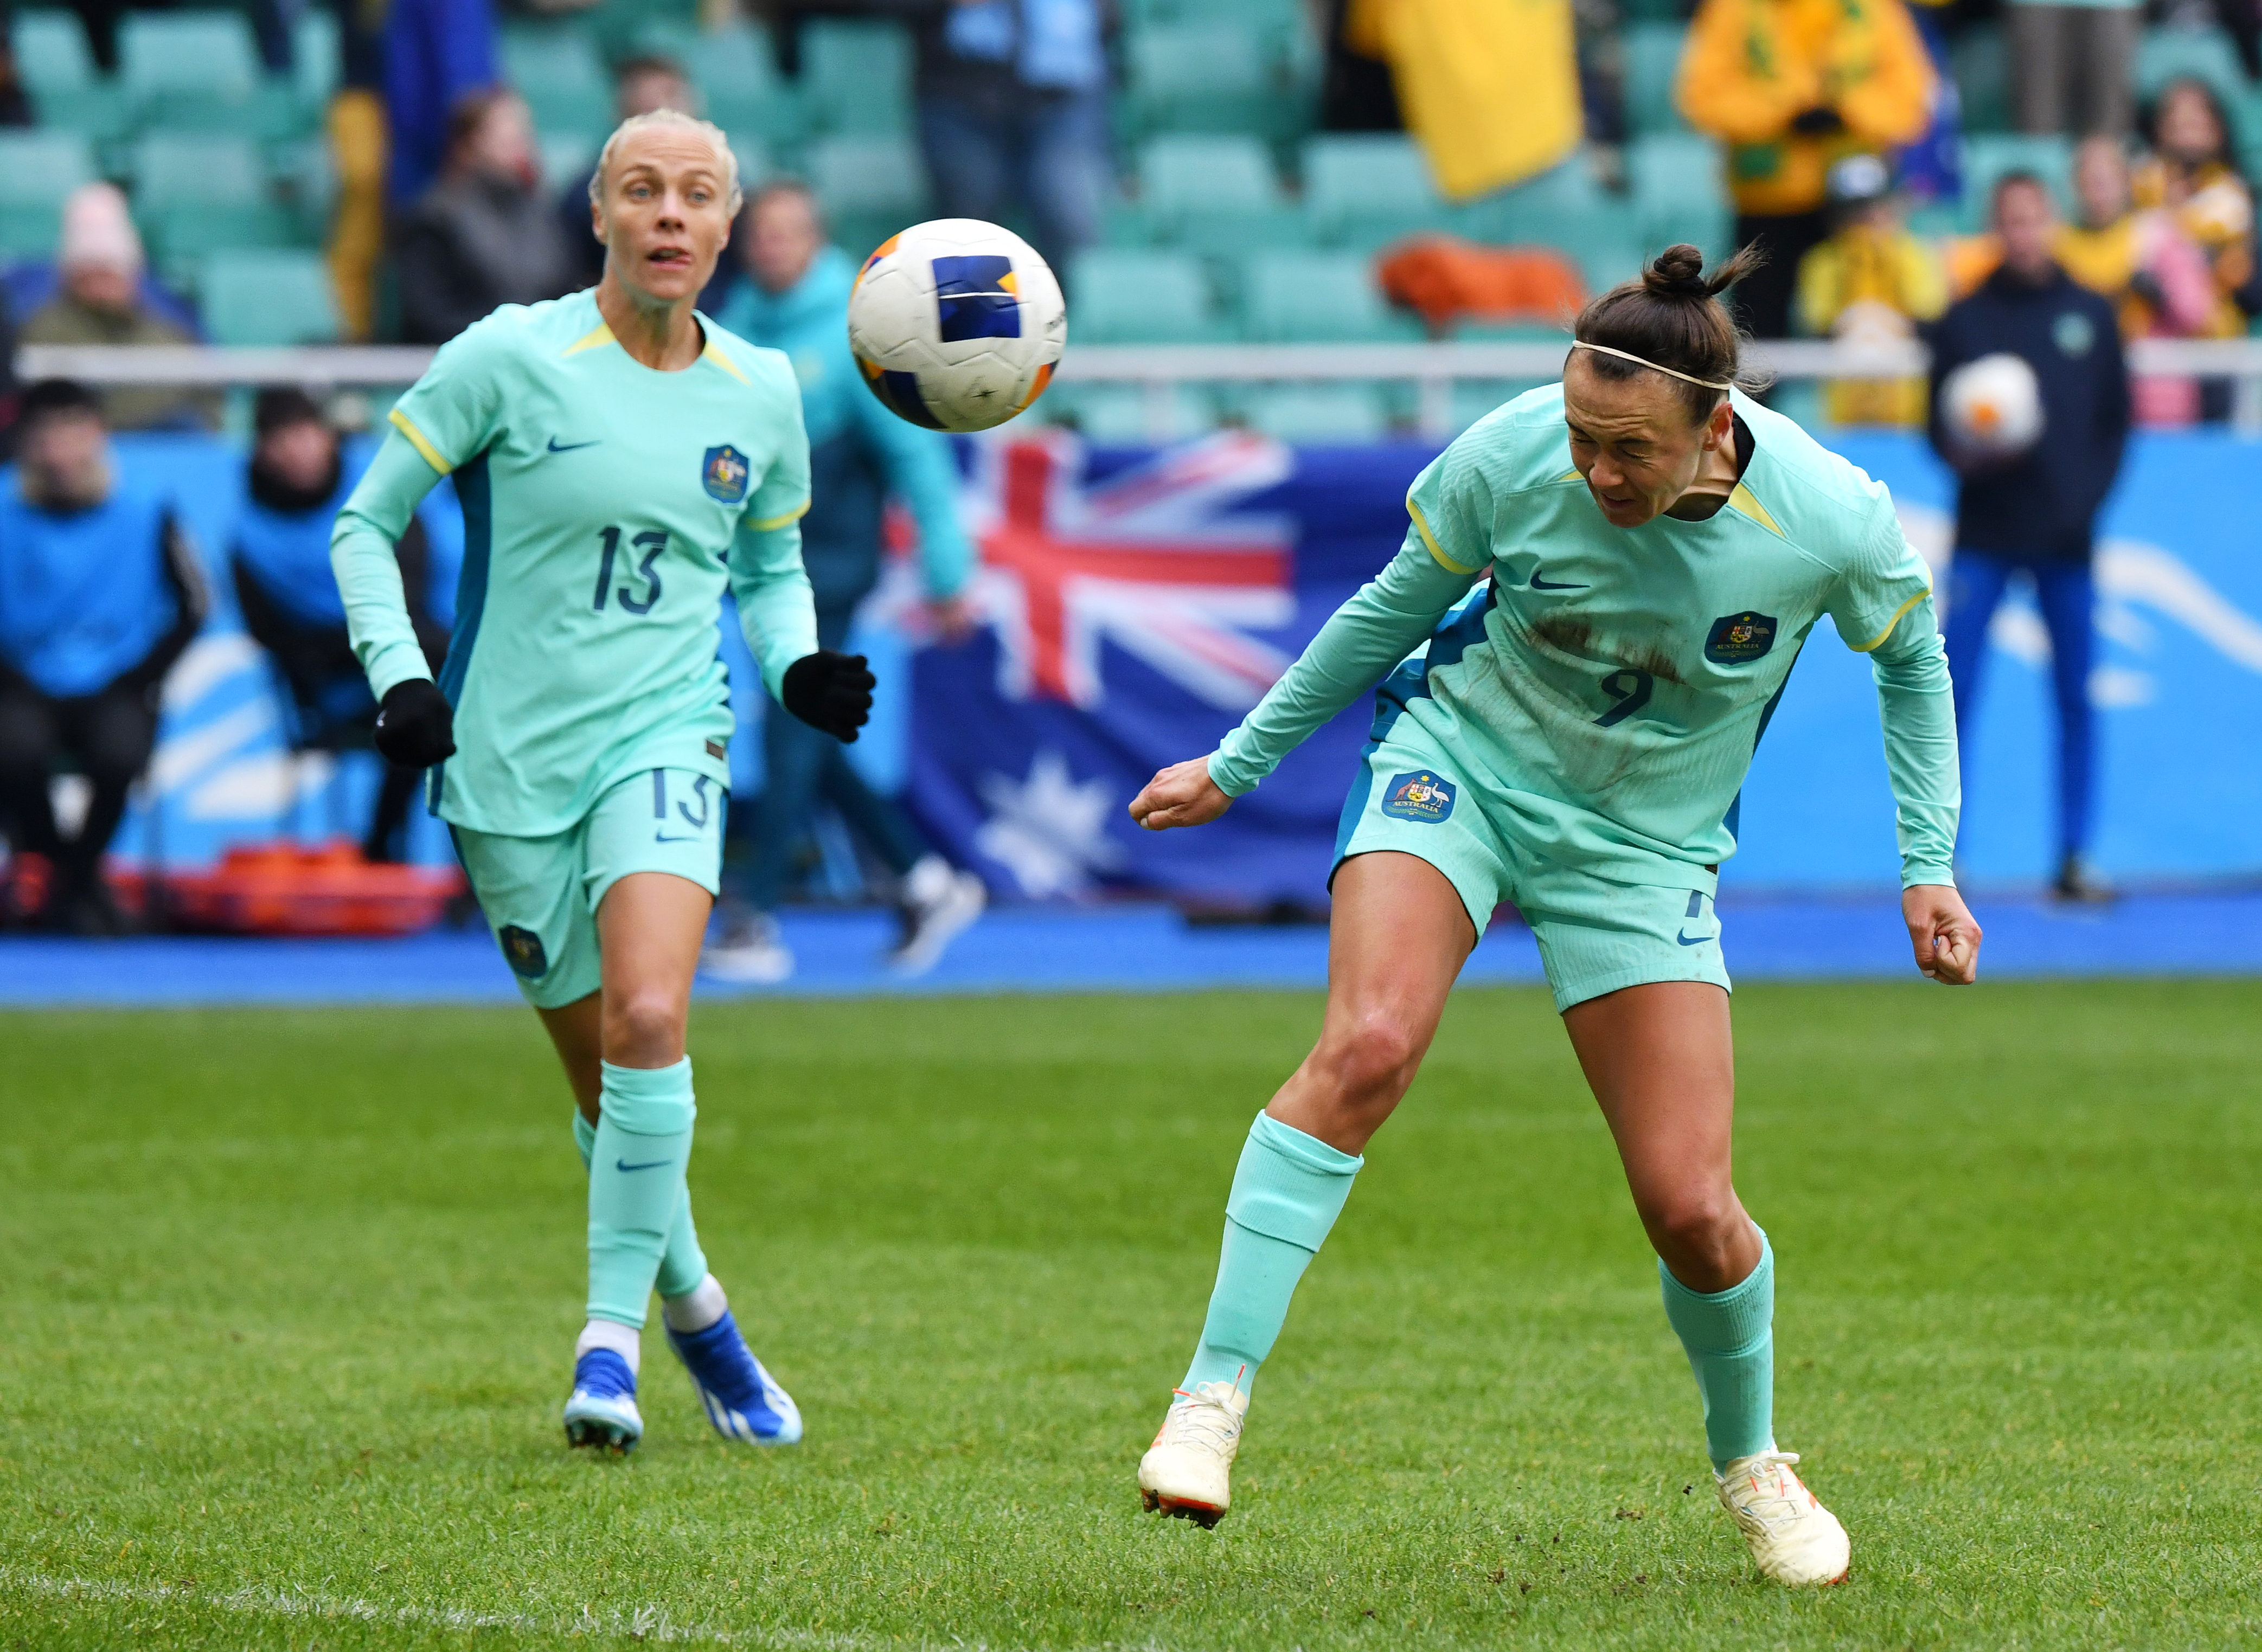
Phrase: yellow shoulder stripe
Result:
[416,440]
[1744,501]
[715,354]
[1422,525]
[769,523]
[1879,639]
[1571,476]
[601,334]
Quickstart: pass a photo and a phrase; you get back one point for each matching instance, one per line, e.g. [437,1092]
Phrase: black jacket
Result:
[2042,507]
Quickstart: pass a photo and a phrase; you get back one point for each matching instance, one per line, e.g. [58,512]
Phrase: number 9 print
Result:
[1631,687]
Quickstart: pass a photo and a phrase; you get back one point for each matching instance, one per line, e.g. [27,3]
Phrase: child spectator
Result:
[1870,283]
[2190,175]
[1793,87]
[100,591]
[2160,282]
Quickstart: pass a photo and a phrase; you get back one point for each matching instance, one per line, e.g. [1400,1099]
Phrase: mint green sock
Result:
[1287,1191]
[682,1265]
[637,1159]
[1730,1338]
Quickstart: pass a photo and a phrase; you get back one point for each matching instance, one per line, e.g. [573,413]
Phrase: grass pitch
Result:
[288,1302]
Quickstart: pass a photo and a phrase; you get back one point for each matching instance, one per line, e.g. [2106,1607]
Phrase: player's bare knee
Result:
[645,1028]
[1698,1232]
[1371,1059]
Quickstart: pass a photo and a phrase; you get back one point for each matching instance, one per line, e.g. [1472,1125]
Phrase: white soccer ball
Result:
[956,324]
[1993,407]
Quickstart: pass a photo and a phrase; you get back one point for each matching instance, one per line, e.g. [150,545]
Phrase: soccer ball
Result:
[1993,407]
[956,324]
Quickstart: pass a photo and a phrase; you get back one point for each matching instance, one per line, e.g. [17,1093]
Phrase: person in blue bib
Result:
[100,593]
[1601,594]
[622,461]
[294,485]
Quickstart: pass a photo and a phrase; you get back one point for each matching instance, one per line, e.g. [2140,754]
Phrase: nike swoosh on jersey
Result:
[684,837]
[1537,583]
[624,1166]
[1691,940]
[568,447]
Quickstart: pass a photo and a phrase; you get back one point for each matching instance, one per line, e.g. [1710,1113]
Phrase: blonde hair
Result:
[707,129]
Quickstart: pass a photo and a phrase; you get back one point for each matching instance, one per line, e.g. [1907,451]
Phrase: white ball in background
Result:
[956,324]
[1993,407]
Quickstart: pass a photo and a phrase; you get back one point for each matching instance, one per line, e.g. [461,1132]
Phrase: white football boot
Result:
[1188,1472]
[1793,1539]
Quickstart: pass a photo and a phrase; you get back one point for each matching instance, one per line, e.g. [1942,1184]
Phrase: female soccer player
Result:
[620,459]
[1573,738]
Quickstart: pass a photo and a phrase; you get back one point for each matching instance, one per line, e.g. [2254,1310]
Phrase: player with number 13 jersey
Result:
[621,461]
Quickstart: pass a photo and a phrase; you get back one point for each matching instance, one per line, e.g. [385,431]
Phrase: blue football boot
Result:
[602,1410]
[743,1400]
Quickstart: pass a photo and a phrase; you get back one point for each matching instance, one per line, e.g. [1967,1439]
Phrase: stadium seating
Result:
[37,172]
[1653,63]
[1207,76]
[870,186]
[195,192]
[556,69]
[1987,156]
[1366,190]
[736,73]
[1124,296]
[1216,194]
[1980,64]
[1678,195]
[199,71]
[1318,296]
[2207,54]
[268,296]
[856,76]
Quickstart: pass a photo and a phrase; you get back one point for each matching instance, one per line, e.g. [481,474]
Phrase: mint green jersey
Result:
[607,508]
[1611,684]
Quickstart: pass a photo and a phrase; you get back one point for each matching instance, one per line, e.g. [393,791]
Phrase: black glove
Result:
[1818,122]
[830,691]
[416,725]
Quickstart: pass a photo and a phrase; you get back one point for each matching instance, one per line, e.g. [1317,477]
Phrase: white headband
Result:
[1628,356]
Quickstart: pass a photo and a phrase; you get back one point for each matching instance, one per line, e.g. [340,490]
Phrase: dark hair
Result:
[281,405]
[2018,178]
[468,113]
[1672,315]
[648,63]
[784,183]
[56,397]
[2148,119]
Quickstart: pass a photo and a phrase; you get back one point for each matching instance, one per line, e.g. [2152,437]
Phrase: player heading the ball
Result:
[622,462]
[1571,734]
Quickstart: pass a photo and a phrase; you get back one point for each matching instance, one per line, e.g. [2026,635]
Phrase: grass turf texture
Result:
[290,1300]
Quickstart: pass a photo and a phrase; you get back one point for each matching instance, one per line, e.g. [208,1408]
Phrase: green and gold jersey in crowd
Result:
[1611,684]
[607,508]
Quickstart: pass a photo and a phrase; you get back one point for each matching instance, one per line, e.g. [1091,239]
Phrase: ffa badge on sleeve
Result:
[522,950]
[724,473]
[1736,639]
[1418,797]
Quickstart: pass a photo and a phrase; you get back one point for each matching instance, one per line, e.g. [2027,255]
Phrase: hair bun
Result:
[1678,272]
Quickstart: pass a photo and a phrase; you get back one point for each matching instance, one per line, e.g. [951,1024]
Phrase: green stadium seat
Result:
[1987,156]
[1207,76]
[174,60]
[869,186]
[1363,190]
[1316,296]
[754,163]
[1123,413]
[567,156]
[314,56]
[1126,297]
[1317,413]
[260,296]
[1678,192]
[856,76]
[2202,53]
[1216,194]
[557,69]
[37,171]
[205,168]
[1979,62]
[52,58]
[1652,63]
[736,73]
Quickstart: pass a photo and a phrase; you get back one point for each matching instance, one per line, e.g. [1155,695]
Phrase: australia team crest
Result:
[724,473]
[1423,797]
[1737,638]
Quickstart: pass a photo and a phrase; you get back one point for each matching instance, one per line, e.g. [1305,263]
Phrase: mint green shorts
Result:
[541,894]
[1596,934]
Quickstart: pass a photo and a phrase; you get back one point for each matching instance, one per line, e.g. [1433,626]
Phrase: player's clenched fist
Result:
[1181,795]
[416,725]
[1943,931]
[830,691]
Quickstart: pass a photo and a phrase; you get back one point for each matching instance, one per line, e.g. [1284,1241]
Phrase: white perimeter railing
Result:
[1433,369]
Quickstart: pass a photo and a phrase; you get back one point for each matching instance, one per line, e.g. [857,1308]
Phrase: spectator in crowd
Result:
[437,53]
[640,85]
[1793,87]
[860,456]
[2160,282]
[1012,110]
[2036,511]
[100,591]
[289,598]
[1871,282]
[101,302]
[483,235]
[2074,65]
[2190,175]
